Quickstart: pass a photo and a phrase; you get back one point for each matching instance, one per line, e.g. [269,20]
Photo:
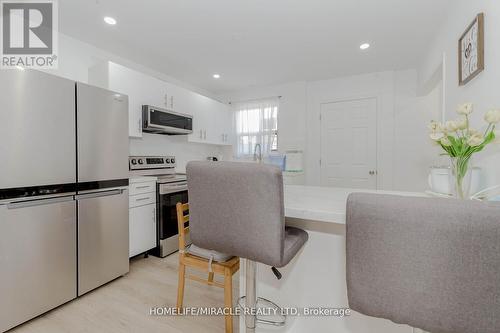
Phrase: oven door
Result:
[168,196]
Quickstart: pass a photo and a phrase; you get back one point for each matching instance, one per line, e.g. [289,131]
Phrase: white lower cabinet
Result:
[142,229]
[142,217]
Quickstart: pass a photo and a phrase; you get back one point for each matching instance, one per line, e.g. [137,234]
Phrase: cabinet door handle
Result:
[201,134]
[142,199]
[204,134]
[140,125]
[143,186]
[172,102]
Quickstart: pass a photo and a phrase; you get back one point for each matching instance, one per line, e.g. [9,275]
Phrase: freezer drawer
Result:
[37,258]
[103,238]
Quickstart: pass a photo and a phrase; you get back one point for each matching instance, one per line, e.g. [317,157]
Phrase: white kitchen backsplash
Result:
[178,146]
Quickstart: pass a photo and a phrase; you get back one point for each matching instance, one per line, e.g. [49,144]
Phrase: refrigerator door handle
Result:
[41,202]
[99,194]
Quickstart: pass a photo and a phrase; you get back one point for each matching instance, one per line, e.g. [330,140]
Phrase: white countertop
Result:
[324,204]
[142,179]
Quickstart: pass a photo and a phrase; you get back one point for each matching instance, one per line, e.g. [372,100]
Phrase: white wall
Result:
[402,122]
[414,152]
[75,59]
[484,90]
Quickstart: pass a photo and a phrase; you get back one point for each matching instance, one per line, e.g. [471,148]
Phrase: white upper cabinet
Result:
[212,120]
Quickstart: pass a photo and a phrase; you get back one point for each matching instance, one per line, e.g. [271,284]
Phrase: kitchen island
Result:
[316,276]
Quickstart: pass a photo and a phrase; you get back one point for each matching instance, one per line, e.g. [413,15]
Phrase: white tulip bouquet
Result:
[460,142]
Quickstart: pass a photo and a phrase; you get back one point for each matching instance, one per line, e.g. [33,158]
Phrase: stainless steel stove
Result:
[171,188]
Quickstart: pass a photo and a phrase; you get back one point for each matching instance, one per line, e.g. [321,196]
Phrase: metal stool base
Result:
[270,304]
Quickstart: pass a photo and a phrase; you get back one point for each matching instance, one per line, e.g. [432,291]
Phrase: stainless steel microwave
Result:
[162,121]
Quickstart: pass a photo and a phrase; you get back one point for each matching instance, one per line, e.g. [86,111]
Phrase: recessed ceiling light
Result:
[109,20]
[216,76]
[364,46]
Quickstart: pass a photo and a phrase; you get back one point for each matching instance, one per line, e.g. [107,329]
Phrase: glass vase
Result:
[460,177]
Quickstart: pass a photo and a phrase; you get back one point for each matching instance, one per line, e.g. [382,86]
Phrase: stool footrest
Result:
[270,304]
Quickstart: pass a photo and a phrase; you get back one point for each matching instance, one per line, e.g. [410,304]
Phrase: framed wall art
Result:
[471,51]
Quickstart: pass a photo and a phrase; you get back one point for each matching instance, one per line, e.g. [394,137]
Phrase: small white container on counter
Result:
[294,161]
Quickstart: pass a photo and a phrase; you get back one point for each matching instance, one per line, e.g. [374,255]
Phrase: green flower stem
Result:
[460,168]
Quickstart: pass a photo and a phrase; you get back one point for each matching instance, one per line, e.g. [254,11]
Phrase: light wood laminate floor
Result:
[124,304]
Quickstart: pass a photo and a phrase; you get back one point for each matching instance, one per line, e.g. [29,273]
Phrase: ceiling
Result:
[258,42]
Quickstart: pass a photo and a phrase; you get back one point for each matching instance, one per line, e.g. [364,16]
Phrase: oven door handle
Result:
[168,189]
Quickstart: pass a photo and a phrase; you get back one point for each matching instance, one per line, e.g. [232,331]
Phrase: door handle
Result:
[142,199]
[41,202]
[98,194]
[144,186]
[372,172]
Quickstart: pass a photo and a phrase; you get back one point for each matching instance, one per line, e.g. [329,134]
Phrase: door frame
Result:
[376,131]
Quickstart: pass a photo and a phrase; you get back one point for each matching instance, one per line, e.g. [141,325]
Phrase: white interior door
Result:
[349,144]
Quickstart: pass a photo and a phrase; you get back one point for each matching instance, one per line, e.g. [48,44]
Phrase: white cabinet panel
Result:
[144,187]
[142,229]
[142,200]
[212,120]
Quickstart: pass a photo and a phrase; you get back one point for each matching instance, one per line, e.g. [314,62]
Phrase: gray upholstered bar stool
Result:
[238,209]
[430,263]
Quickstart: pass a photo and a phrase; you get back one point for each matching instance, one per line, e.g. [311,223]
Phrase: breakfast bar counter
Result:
[324,204]
[316,276]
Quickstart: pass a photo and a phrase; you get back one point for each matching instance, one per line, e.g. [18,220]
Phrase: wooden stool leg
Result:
[211,277]
[180,288]
[228,298]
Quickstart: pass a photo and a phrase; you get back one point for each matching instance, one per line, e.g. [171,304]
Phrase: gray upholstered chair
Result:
[433,264]
[237,208]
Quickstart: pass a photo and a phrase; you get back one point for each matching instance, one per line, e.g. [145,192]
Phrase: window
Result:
[257,122]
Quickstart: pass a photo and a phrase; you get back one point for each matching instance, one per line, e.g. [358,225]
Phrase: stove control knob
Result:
[141,162]
[134,162]
[167,160]
[172,160]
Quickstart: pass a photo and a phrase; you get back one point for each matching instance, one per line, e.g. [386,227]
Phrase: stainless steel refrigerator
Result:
[63,192]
